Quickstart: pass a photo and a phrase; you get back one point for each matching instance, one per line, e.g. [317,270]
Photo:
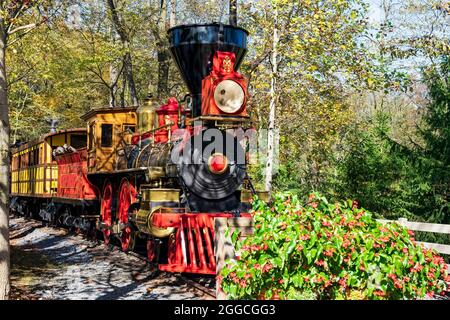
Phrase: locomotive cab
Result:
[109,131]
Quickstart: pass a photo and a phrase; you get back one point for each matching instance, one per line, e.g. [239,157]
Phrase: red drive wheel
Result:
[127,196]
[106,210]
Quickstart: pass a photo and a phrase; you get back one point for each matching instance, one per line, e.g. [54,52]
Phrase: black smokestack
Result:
[193,47]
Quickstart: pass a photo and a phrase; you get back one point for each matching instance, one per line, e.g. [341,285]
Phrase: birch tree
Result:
[173,13]
[273,100]
[4,163]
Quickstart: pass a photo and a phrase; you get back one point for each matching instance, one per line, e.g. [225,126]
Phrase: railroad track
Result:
[193,281]
[204,284]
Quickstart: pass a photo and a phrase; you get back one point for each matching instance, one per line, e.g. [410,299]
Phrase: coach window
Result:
[78,141]
[107,135]
[35,157]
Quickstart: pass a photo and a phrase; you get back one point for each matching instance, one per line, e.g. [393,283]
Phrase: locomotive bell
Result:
[146,114]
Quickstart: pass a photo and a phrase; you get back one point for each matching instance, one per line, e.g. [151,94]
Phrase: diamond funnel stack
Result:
[193,47]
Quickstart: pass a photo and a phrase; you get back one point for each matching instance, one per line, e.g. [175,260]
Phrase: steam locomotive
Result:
[160,174]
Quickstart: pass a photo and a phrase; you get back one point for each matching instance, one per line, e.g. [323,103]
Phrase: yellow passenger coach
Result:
[34,172]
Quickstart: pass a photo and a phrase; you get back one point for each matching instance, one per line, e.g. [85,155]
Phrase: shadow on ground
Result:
[52,264]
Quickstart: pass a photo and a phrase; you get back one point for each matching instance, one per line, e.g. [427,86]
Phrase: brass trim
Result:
[161,195]
[143,220]
[155,173]
[221,118]
[155,231]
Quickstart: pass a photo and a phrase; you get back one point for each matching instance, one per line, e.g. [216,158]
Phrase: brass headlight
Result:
[229,96]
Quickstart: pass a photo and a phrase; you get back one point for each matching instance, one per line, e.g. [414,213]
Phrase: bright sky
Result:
[375,12]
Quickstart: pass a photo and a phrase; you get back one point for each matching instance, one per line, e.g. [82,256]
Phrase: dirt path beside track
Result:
[51,263]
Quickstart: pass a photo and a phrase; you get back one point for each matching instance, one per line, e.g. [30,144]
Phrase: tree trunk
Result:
[128,70]
[113,75]
[163,71]
[272,106]
[112,91]
[163,55]
[233,12]
[128,61]
[4,172]
[122,93]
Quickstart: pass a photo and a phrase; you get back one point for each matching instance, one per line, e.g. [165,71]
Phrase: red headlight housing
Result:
[218,163]
[224,91]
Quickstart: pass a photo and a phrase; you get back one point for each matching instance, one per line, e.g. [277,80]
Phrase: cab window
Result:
[107,135]
[129,128]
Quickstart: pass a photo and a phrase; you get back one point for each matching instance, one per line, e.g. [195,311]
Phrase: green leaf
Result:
[277,262]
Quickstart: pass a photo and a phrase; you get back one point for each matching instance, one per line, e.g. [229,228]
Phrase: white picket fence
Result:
[426,227]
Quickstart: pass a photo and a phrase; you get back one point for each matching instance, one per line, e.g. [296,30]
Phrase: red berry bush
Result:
[314,249]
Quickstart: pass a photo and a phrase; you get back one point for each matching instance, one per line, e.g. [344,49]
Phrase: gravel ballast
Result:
[53,264]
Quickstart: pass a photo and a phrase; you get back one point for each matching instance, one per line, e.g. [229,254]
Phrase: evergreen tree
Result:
[396,180]
[437,137]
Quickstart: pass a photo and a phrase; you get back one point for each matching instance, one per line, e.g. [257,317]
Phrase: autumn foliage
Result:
[314,249]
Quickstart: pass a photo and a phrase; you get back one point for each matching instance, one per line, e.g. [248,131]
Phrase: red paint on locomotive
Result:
[192,249]
[223,69]
[168,119]
[72,177]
